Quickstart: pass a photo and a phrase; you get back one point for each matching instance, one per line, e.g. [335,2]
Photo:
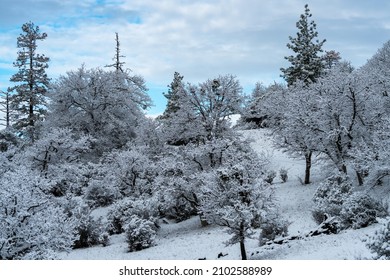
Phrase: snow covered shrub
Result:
[270,176]
[177,187]
[379,243]
[273,229]
[121,212]
[128,171]
[104,239]
[118,214]
[335,198]
[360,210]
[283,175]
[58,156]
[140,233]
[32,224]
[100,194]
[330,197]
[8,140]
[89,230]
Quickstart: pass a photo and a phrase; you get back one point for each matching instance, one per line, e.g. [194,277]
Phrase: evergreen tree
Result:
[331,58]
[31,80]
[306,64]
[173,95]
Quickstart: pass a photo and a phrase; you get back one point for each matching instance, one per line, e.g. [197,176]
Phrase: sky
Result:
[199,39]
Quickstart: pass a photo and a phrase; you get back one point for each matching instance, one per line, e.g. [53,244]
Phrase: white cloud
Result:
[200,39]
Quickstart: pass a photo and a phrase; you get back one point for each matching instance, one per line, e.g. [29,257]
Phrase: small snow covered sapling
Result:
[140,233]
[236,197]
[283,175]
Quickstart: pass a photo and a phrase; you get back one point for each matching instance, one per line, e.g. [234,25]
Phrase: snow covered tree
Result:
[306,63]
[32,225]
[371,154]
[235,195]
[29,101]
[292,131]
[262,108]
[173,95]
[331,58]
[107,105]
[330,116]
[204,111]
[344,116]
[59,156]
[377,70]
[121,173]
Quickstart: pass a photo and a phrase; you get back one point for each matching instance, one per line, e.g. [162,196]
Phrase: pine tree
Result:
[173,95]
[306,64]
[31,80]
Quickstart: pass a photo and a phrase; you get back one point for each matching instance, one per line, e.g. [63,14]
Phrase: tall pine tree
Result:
[306,63]
[28,97]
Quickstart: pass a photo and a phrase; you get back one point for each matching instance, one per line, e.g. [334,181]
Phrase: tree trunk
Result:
[308,167]
[243,251]
[359,177]
[344,169]
[242,242]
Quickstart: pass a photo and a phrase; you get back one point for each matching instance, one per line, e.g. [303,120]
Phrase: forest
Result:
[82,144]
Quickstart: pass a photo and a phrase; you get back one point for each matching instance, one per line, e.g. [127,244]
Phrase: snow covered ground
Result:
[189,241]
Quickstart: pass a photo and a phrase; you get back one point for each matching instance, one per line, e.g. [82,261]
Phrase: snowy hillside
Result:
[188,240]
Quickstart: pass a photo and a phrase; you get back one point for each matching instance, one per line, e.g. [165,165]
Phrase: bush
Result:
[90,231]
[379,244]
[283,175]
[122,211]
[32,224]
[140,233]
[272,230]
[335,198]
[330,197]
[178,209]
[270,176]
[99,194]
[361,210]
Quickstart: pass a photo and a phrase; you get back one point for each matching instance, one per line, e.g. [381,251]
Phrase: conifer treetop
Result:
[306,63]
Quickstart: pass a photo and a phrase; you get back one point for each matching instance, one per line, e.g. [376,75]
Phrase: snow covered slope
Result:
[189,241]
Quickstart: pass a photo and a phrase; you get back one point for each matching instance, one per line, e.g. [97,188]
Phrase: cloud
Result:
[200,39]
